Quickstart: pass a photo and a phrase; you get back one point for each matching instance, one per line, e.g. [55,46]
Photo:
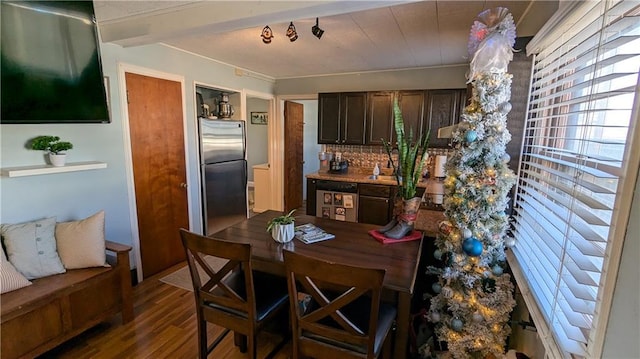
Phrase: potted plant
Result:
[408,171]
[53,146]
[281,227]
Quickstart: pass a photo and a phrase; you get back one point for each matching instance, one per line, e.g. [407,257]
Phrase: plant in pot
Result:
[281,227]
[53,146]
[408,171]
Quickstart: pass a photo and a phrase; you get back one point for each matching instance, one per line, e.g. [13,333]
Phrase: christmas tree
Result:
[474,297]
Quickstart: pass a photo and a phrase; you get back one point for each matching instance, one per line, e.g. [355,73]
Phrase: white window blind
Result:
[576,144]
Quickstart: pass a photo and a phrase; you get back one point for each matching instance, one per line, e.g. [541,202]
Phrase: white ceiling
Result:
[359,36]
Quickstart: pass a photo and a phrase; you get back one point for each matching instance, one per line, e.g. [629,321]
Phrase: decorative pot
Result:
[282,233]
[57,160]
[403,224]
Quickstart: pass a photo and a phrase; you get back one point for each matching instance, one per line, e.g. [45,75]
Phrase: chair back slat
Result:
[337,315]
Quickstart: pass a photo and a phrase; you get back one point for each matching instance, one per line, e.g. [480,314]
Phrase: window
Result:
[576,167]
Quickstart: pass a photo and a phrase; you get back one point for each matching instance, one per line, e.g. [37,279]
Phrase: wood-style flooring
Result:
[164,327]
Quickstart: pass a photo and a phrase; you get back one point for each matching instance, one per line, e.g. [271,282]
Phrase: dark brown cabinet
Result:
[311,197]
[374,204]
[443,109]
[341,118]
[380,117]
[411,105]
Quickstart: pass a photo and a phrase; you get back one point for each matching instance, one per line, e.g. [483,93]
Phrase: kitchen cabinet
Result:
[379,117]
[375,204]
[311,197]
[411,105]
[341,118]
[443,109]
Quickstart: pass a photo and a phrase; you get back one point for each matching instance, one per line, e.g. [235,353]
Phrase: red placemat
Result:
[386,240]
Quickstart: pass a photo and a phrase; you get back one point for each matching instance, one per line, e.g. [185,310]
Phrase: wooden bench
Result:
[54,309]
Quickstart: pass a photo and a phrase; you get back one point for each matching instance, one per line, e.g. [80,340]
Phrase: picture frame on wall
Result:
[259,118]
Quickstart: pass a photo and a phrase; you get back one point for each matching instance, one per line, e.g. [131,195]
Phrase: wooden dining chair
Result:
[234,297]
[345,317]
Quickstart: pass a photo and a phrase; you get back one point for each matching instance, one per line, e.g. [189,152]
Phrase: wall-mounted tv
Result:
[50,63]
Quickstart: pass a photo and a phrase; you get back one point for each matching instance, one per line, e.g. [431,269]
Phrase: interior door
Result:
[293,155]
[157,149]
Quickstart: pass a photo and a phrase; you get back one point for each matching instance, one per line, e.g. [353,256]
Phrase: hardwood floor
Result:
[164,327]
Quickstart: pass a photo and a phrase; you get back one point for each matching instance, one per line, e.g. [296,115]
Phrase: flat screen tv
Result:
[50,63]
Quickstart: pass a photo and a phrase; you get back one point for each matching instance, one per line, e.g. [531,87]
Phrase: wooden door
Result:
[353,112]
[379,118]
[157,149]
[329,118]
[293,156]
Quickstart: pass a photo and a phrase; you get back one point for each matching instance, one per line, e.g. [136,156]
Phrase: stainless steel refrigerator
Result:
[224,173]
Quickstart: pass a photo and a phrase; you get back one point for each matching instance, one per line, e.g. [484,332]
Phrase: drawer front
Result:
[374,190]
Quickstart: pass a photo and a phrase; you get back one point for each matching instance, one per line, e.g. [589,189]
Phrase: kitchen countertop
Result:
[356,176]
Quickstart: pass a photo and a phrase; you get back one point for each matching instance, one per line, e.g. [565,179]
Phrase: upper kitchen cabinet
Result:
[411,105]
[379,118]
[341,118]
[443,108]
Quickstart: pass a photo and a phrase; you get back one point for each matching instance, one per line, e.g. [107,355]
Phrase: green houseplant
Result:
[53,146]
[408,171]
[281,227]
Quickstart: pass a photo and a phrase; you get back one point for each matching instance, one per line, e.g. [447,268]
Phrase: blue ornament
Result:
[456,324]
[437,288]
[472,247]
[437,254]
[471,136]
[497,270]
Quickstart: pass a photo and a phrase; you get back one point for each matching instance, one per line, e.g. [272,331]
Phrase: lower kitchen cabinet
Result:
[374,204]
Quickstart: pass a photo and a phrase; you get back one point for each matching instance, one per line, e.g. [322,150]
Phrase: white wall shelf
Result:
[49,169]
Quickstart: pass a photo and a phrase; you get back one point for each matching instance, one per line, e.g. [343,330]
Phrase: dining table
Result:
[352,245]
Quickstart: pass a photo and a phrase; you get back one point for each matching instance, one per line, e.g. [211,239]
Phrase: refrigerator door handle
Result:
[246,174]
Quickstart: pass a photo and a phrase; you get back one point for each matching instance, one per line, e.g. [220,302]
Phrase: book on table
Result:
[310,233]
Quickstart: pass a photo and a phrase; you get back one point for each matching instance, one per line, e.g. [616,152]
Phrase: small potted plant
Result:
[53,146]
[281,227]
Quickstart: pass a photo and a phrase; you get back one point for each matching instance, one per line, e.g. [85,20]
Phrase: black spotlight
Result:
[292,34]
[316,30]
[266,35]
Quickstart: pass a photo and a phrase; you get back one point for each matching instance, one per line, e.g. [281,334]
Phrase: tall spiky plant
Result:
[410,155]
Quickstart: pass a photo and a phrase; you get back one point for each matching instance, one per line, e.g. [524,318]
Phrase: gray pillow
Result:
[31,247]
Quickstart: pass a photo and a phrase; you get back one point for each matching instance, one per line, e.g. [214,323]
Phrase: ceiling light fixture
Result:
[267,35]
[292,34]
[316,30]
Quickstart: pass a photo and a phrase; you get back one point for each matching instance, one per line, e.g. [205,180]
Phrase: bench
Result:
[37,318]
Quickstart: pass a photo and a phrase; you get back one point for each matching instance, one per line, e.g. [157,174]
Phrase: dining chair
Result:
[345,317]
[234,297]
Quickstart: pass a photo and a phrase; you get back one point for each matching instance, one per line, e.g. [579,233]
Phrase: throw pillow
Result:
[10,278]
[81,243]
[31,247]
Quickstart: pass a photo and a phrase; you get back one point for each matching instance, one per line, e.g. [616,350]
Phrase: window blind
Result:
[577,138]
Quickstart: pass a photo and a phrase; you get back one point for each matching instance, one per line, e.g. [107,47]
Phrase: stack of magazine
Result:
[309,233]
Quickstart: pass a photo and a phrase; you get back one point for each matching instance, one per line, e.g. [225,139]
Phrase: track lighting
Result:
[267,35]
[316,30]
[292,34]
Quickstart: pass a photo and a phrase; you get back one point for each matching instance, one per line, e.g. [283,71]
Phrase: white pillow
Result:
[10,278]
[81,243]
[31,247]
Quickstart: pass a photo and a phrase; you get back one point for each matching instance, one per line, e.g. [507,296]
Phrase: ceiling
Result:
[359,36]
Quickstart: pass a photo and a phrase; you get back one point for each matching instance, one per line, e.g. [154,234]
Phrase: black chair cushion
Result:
[358,312]
[271,292]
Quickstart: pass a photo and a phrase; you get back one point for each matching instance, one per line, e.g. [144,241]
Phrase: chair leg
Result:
[202,339]
[240,341]
[252,347]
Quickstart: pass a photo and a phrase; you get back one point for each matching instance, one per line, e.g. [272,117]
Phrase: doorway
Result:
[156,128]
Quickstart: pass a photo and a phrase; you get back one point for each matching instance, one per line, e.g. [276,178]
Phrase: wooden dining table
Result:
[352,245]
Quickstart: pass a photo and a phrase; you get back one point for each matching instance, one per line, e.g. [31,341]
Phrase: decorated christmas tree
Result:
[474,297]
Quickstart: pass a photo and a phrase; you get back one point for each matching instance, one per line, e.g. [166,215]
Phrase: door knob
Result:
[183,185]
